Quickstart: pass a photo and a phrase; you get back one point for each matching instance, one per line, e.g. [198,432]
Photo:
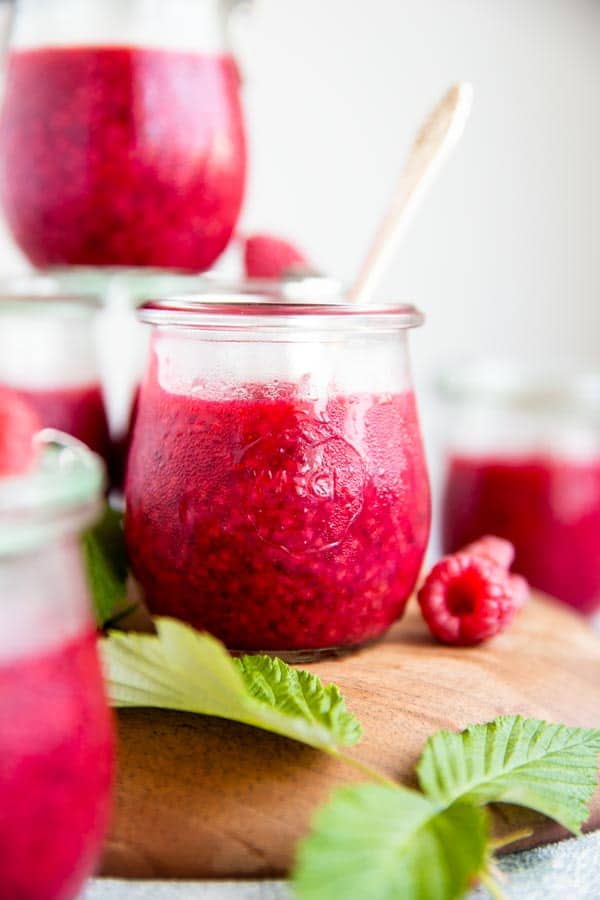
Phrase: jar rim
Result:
[63,303]
[61,494]
[141,282]
[238,311]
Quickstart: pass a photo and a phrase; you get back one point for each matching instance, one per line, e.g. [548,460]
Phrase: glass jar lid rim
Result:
[55,301]
[185,309]
[142,282]
[60,493]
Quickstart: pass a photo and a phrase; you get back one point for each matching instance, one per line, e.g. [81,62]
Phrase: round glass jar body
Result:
[121,133]
[523,462]
[56,735]
[48,354]
[276,490]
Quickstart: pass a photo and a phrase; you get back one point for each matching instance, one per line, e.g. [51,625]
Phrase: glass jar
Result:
[56,736]
[122,340]
[121,133]
[48,354]
[277,493]
[523,462]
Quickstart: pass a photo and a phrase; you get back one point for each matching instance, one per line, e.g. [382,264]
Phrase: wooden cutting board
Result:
[200,797]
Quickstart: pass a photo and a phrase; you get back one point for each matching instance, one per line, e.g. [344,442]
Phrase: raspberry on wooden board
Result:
[497,549]
[469,597]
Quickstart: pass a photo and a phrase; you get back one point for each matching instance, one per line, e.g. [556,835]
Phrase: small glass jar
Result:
[122,140]
[56,735]
[277,493]
[48,354]
[523,462]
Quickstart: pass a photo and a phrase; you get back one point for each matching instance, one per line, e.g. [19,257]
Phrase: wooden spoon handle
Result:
[436,138]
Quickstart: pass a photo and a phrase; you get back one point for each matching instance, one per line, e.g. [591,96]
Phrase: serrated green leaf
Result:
[391,844]
[106,564]
[550,768]
[183,669]
[298,694]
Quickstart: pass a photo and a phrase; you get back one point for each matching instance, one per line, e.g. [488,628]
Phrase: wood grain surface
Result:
[199,797]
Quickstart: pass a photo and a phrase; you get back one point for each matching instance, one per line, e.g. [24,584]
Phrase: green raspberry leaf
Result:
[106,563]
[298,694]
[528,762]
[391,844]
[183,669]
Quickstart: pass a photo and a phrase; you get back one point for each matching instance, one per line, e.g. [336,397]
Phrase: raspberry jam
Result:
[55,776]
[548,507]
[275,521]
[77,410]
[121,155]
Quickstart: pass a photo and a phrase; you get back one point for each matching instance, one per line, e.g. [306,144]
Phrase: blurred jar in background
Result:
[56,735]
[48,354]
[121,133]
[523,462]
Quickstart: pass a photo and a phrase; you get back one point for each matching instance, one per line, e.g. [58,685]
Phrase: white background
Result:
[504,257]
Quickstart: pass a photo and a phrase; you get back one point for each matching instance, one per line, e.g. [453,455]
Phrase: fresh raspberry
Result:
[497,549]
[18,425]
[502,552]
[270,257]
[468,598]
[520,592]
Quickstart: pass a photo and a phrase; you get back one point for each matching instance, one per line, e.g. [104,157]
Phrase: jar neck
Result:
[524,390]
[44,601]
[185,25]
[47,345]
[44,595]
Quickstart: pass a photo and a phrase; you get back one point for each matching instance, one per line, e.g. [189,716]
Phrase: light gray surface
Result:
[570,869]
[104,889]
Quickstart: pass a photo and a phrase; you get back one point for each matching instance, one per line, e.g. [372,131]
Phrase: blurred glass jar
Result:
[523,462]
[277,493]
[117,345]
[56,735]
[48,354]
[121,133]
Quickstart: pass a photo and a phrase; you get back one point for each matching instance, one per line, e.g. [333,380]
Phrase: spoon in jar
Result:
[436,138]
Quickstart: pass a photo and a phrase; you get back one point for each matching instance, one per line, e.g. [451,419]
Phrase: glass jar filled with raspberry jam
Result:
[56,734]
[48,354]
[523,462]
[277,493]
[121,133]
